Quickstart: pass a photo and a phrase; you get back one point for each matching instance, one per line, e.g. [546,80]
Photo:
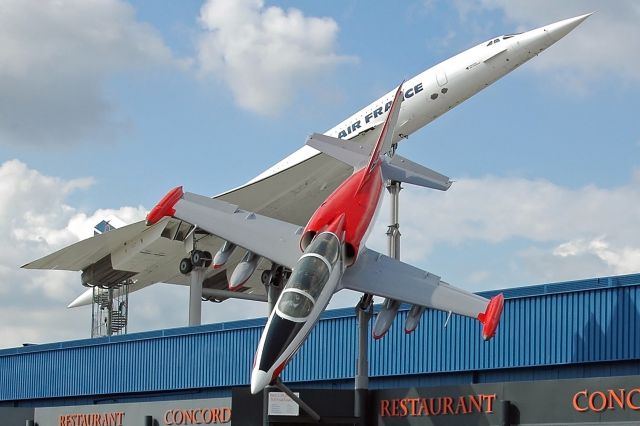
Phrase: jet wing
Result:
[377,274]
[76,256]
[271,238]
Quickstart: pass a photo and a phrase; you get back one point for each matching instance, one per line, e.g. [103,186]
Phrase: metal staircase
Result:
[110,310]
[110,307]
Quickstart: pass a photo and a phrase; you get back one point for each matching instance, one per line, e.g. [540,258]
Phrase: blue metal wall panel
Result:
[553,329]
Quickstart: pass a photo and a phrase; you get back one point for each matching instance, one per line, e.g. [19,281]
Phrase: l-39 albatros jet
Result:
[293,190]
[328,254]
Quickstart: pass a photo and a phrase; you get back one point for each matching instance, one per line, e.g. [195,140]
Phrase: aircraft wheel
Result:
[265,277]
[208,258]
[185,266]
[197,258]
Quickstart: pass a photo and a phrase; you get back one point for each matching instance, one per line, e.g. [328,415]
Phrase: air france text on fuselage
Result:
[377,112]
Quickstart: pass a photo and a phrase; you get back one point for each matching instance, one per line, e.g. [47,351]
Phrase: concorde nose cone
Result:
[259,380]
[560,29]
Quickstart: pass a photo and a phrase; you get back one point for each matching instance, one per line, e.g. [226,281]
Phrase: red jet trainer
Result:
[329,254]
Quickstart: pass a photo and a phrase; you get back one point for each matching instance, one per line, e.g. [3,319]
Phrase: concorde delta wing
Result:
[83,253]
[380,275]
[267,237]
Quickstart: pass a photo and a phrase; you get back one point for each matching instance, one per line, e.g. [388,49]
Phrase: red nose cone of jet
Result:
[166,206]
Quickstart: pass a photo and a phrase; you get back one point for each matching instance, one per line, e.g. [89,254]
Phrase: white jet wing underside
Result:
[273,239]
[380,275]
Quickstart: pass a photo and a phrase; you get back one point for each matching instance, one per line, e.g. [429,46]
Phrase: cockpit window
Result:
[326,245]
[295,305]
[508,36]
[490,43]
[496,40]
[310,275]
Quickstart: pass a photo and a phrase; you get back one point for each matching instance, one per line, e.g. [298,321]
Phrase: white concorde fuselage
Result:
[442,87]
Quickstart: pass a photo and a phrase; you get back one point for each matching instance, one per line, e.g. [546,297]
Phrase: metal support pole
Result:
[195,296]
[362,371]
[393,231]
[315,416]
[362,368]
[273,292]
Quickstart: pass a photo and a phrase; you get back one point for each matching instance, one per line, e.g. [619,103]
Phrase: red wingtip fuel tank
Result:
[165,206]
[491,317]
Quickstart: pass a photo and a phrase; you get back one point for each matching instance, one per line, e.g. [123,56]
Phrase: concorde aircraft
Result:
[329,253]
[294,188]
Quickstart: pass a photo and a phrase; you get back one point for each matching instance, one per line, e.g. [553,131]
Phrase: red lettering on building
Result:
[437,406]
[629,399]
[92,419]
[424,408]
[602,403]
[461,404]
[448,402]
[489,399]
[475,402]
[197,416]
[611,399]
[577,405]
[384,408]
[617,398]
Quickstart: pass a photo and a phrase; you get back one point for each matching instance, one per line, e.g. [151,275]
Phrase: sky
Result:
[107,104]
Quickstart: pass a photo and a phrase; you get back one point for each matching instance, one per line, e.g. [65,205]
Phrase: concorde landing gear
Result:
[198,258]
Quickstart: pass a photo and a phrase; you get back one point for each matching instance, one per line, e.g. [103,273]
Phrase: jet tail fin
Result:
[385,140]
[355,154]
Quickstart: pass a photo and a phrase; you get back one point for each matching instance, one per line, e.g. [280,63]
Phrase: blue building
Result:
[570,330]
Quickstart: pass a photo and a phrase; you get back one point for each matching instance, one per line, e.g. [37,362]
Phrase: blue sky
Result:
[108,104]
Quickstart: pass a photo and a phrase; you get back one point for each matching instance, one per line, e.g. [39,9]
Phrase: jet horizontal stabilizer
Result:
[354,154]
[403,170]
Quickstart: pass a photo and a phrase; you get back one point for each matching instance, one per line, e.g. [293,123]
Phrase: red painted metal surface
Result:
[491,317]
[355,202]
[165,206]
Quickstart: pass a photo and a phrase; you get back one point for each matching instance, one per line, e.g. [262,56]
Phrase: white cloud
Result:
[622,260]
[569,233]
[55,57]
[604,46]
[36,220]
[265,54]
